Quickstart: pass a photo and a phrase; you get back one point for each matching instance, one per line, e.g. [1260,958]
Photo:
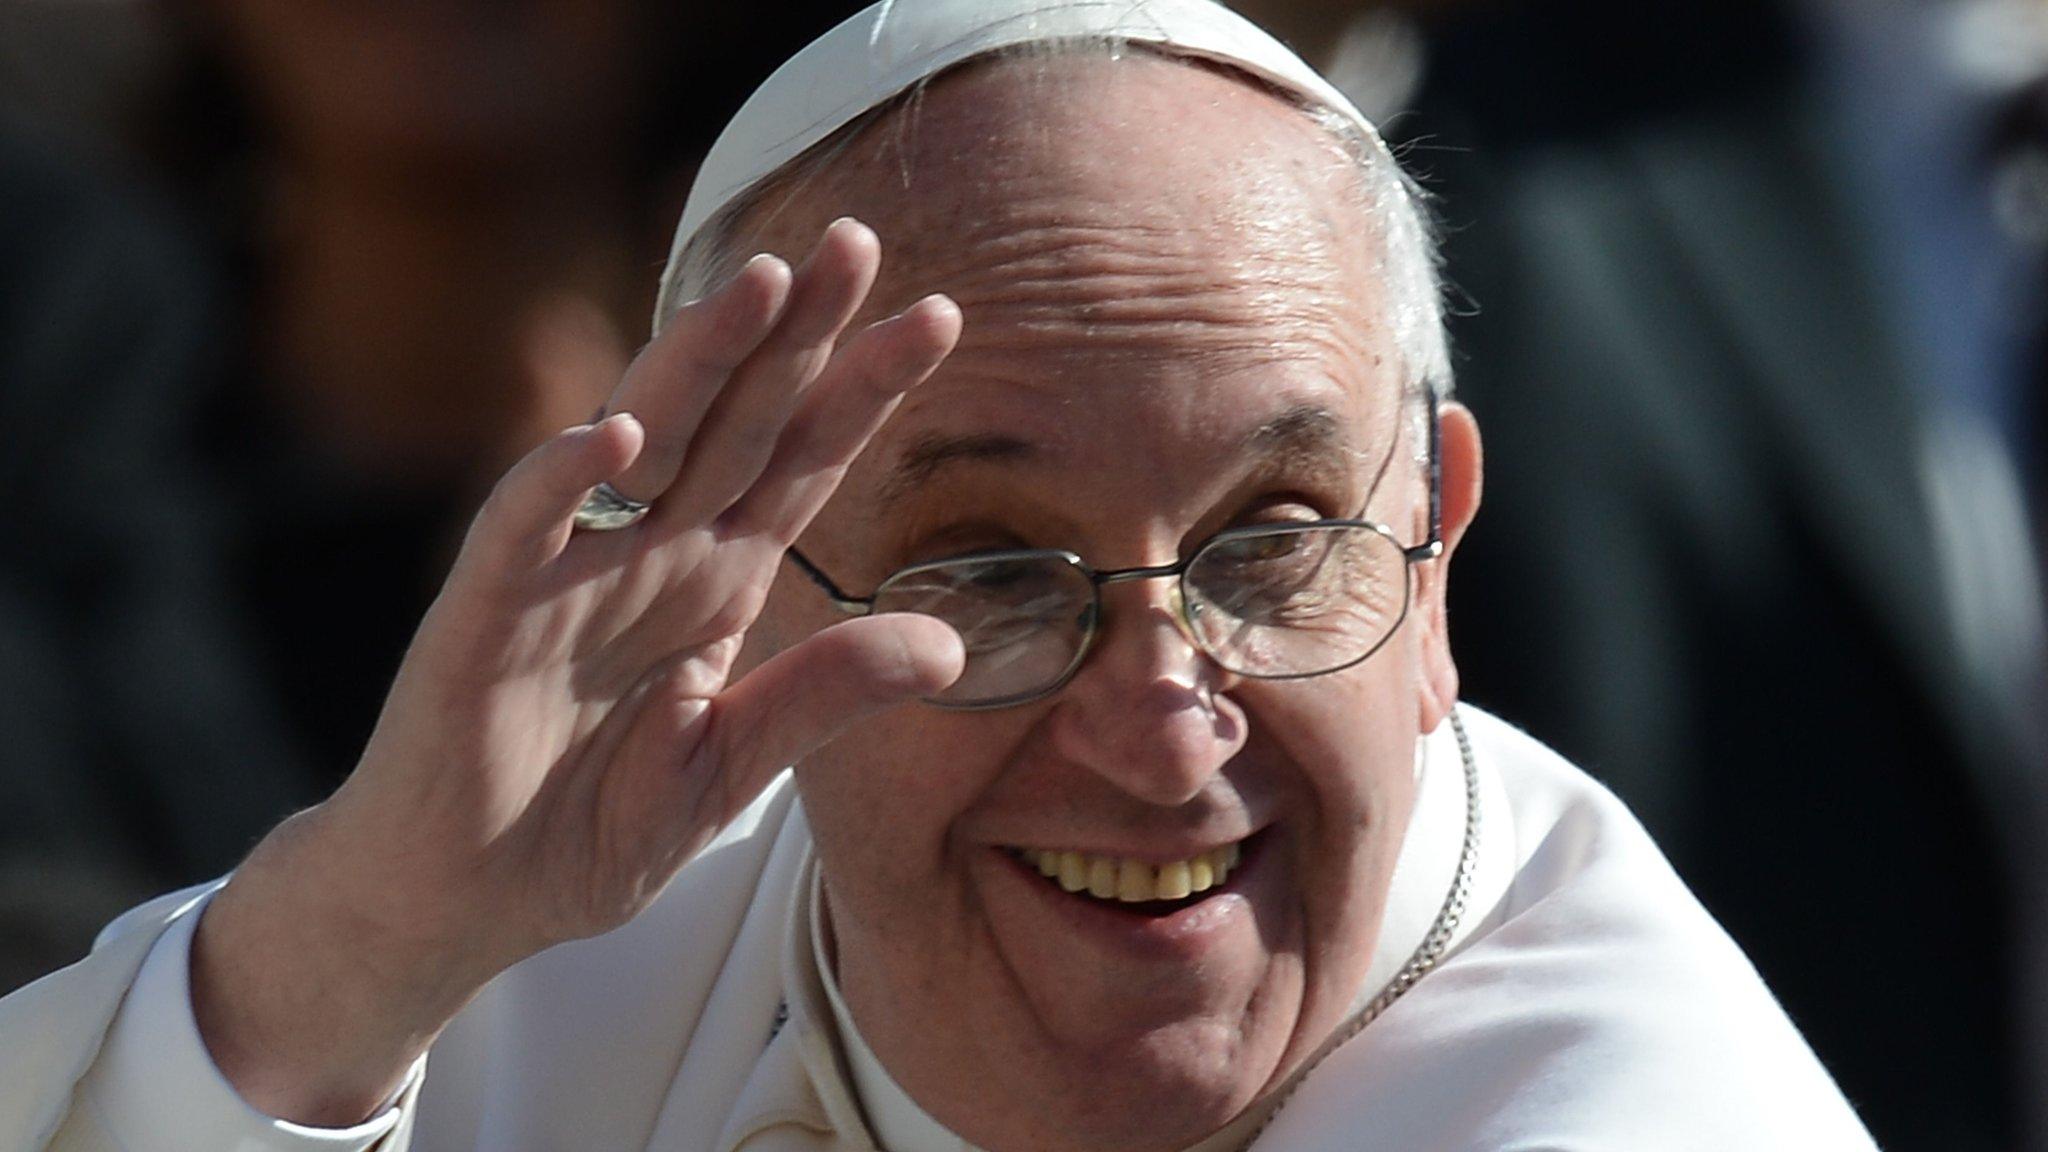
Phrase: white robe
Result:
[1589,1002]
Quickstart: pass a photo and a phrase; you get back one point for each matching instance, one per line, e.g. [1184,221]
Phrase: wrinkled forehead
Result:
[1142,239]
[1080,189]
[1063,153]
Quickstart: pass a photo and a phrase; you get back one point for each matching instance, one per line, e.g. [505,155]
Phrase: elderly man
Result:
[1132,810]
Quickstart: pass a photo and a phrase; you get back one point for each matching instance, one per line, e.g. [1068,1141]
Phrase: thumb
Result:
[801,698]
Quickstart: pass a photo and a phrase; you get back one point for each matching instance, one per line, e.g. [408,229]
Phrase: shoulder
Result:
[1597,1005]
[1596,919]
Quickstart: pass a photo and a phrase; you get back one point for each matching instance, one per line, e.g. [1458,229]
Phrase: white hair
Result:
[1394,205]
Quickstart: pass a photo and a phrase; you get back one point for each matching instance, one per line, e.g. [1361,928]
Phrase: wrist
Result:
[313,997]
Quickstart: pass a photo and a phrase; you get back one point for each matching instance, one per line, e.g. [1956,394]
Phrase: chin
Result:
[1154,1066]
[1161,1097]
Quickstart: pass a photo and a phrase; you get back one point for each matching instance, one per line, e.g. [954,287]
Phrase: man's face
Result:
[1172,305]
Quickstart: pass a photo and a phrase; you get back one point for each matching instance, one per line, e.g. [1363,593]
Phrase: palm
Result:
[566,731]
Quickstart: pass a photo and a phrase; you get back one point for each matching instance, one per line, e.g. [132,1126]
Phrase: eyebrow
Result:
[1302,438]
[1305,433]
[927,455]
[1308,442]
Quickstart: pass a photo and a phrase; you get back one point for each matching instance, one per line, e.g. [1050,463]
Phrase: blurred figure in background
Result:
[360,257]
[1753,329]
[430,226]
[140,742]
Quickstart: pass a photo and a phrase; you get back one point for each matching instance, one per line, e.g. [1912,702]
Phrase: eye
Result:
[1277,511]
[1258,549]
[1261,549]
[1021,606]
[1270,576]
[1034,586]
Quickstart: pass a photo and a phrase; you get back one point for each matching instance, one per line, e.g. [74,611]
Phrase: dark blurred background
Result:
[1748,298]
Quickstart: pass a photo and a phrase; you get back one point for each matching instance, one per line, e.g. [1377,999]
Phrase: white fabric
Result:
[1593,1006]
[51,1031]
[155,1086]
[894,1119]
[888,47]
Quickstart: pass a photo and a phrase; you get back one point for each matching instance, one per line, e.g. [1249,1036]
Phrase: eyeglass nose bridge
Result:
[1155,572]
[1183,617]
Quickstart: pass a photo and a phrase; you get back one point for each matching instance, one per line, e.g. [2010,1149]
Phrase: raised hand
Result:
[564,733]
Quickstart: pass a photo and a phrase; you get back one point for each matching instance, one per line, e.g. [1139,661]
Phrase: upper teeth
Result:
[1121,878]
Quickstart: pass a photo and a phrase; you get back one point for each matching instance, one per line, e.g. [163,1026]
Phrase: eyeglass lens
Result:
[1285,601]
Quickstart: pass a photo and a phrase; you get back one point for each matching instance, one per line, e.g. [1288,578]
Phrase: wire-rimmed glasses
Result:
[1279,601]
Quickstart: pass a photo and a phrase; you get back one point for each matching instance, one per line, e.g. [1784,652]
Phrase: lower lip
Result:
[1185,932]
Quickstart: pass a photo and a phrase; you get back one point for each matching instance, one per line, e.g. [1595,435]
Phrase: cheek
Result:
[884,800]
[1351,734]
[1351,739]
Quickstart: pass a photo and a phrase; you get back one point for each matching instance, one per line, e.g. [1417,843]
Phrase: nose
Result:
[1147,711]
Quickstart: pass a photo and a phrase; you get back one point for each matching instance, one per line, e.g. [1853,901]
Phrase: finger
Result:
[526,520]
[675,379]
[738,434]
[754,728]
[804,696]
[842,412]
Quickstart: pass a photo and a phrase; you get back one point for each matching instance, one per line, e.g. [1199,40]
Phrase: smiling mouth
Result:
[1122,880]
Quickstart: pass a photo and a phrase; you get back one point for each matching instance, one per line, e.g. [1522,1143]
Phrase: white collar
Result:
[1423,873]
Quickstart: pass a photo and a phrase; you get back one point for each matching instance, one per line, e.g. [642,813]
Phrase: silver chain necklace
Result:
[1426,954]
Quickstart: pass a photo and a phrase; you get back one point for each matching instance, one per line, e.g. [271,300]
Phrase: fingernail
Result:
[939,301]
[848,224]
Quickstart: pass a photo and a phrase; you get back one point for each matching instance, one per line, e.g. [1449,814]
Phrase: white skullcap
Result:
[889,47]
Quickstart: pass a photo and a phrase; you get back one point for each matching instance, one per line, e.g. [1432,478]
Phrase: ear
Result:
[1458,456]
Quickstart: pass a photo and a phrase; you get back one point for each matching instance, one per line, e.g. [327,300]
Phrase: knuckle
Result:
[498,506]
[804,431]
[662,449]
[717,354]
[753,440]
[877,376]
[731,618]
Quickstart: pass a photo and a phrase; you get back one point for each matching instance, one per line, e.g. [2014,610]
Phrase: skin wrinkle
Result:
[1276,233]
[1027,255]
[1306,440]
[1303,451]
[1128,306]
[1397,240]
[1136,363]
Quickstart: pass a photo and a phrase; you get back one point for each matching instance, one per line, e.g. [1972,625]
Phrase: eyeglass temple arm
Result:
[1433,547]
[851,605]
